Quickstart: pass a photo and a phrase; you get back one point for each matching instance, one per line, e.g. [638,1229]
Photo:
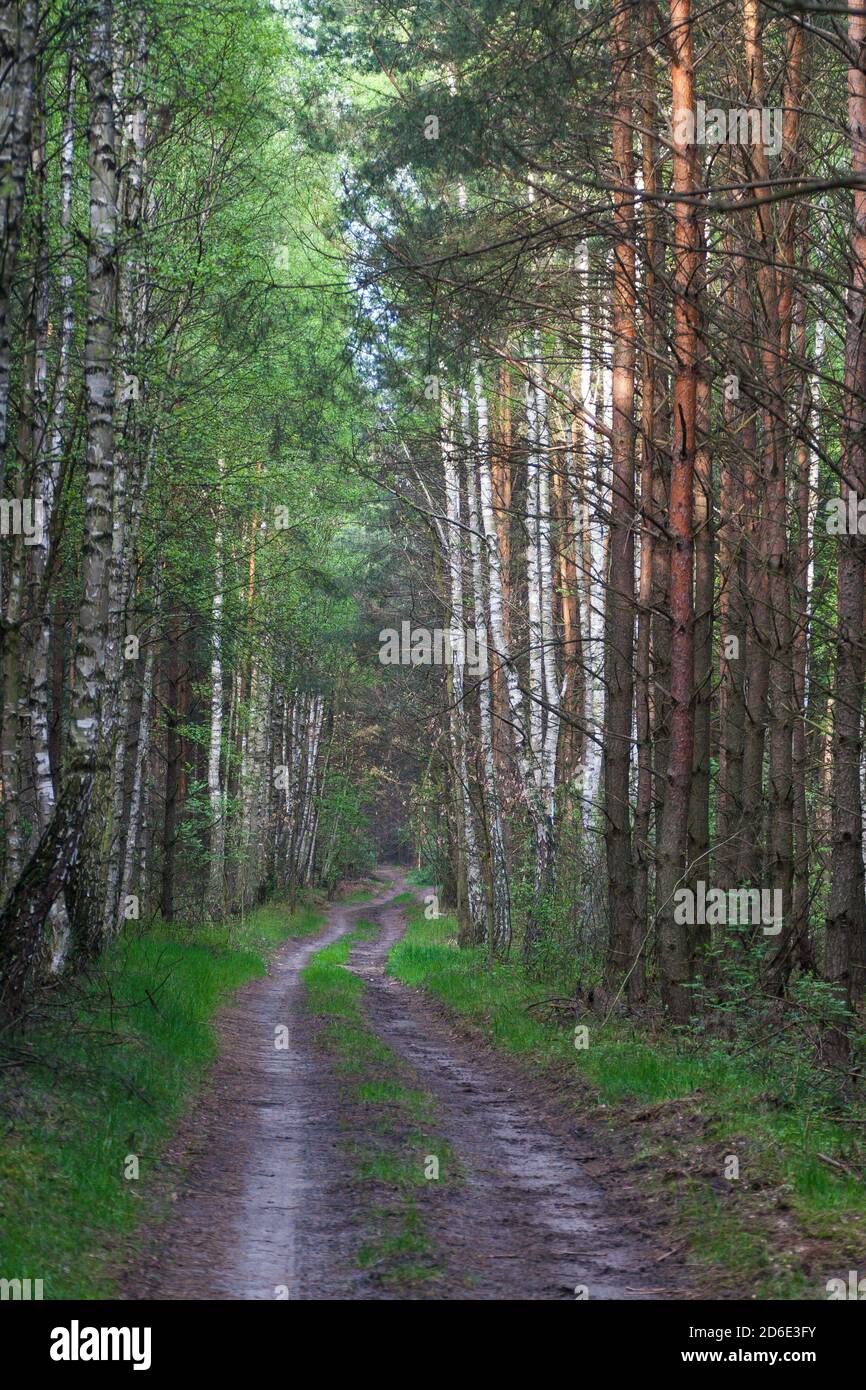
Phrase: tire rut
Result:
[527,1221]
[259,1170]
[267,1203]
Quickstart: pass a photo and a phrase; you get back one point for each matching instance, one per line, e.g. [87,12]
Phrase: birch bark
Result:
[214,787]
[499,925]
[457,642]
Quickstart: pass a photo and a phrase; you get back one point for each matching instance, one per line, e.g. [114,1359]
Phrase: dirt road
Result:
[266,1203]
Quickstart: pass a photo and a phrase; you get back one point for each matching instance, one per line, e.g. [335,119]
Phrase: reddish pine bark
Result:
[673,841]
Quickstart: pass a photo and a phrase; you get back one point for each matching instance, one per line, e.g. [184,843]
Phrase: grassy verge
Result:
[788,1215]
[396,1156]
[420,878]
[98,1081]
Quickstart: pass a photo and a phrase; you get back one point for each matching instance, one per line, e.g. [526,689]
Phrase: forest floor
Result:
[337,1102]
[354,1141]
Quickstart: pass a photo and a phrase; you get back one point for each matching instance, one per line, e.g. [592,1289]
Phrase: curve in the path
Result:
[259,1156]
[267,1205]
[527,1222]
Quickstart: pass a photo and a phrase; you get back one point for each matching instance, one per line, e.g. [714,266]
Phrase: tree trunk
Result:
[619,610]
[846,921]
[673,843]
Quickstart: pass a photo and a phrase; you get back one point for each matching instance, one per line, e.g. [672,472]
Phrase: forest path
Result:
[269,1203]
[256,1161]
[528,1219]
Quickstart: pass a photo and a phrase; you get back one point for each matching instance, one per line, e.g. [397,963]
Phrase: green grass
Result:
[359,895]
[105,1074]
[392,1136]
[421,878]
[704,1103]
[408,1250]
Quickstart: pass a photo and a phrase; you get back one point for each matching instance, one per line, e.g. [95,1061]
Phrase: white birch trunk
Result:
[529,773]
[457,641]
[214,788]
[595,657]
[499,935]
[533,586]
[136,824]
[552,689]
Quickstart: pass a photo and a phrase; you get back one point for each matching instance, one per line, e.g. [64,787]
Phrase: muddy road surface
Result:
[262,1191]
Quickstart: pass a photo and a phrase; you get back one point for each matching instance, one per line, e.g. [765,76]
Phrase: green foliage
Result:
[757,1103]
[783,1038]
[346,845]
[398,1131]
[105,1075]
